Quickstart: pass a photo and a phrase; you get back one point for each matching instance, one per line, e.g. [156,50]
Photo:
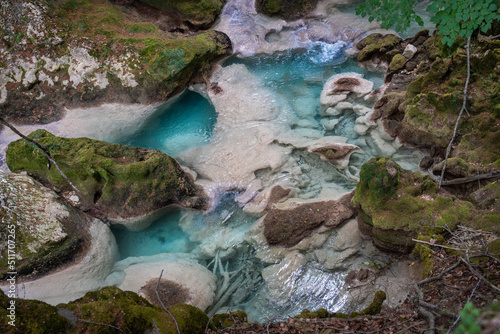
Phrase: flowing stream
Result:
[223,239]
[246,132]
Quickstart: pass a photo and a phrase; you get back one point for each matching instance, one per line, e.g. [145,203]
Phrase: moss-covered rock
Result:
[286,9]
[397,63]
[114,180]
[227,320]
[132,314]
[434,99]
[198,13]
[102,311]
[31,316]
[378,45]
[38,231]
[89,51]
[396,204]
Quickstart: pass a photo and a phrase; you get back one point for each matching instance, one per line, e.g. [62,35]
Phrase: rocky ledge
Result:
[56,54]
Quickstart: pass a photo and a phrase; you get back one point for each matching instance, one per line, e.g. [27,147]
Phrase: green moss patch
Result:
[398,204]
[113,179]
[32,316]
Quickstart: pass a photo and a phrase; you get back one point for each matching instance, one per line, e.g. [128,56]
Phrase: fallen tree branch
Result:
[159,299]
[438,245]
[444,272]
[430,317]
[41,147]
[478,275]
[468,179]
[434,308]
[467,47]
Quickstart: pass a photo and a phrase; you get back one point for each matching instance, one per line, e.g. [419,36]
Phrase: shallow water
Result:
[272,288]
[185,124]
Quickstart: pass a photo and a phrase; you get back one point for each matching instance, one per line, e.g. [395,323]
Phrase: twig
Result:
[434,278]
[468,300]
[478,275]
[438,245]
[98,323]
[467,47]
[41,147]
[159,299]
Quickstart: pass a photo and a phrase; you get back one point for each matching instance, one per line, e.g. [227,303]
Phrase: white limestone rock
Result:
[198,280]
[409,51]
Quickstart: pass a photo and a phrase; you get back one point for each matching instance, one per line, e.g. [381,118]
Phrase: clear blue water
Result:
[297,77]
[162,236]
[187,123]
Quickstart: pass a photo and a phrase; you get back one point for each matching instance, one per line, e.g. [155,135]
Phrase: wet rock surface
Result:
[288,227]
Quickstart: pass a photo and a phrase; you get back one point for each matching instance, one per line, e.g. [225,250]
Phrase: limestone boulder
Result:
[115,181]
[37,228]
[196,282]
[287,227]
[106,61]
[341,86]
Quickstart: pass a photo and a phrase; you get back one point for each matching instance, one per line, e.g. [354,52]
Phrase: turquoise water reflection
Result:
[187,123]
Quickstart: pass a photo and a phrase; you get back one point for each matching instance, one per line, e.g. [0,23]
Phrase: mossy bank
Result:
[84,52]
[396,206]
[102,311]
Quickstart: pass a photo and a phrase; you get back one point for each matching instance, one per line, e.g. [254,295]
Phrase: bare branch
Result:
[468,179]
[162,305]
[431,279]
[437,245]
[478,275]
[41,147]
[438,310]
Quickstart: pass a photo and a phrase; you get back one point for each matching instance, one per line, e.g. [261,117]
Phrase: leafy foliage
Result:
[468,323]
[453,18]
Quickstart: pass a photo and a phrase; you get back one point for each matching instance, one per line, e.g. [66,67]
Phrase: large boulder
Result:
[38,231]
[80,53]
[196,13]
[396,205]
[113,180]
[287,227]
